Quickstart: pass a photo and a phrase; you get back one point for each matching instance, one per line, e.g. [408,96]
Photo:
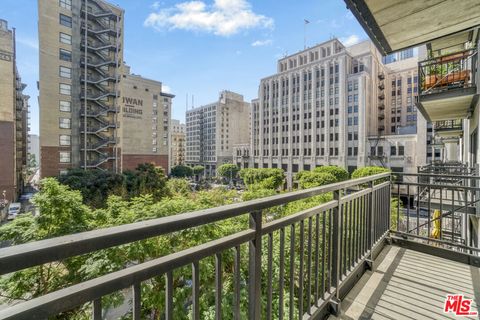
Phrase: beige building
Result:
[326,106]
[178,142]
[81,54]
[144,122]
[94,113]
[13,118]
[213,130]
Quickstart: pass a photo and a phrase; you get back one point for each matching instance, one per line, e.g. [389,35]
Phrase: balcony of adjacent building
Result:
[447,86]
[365,252]
[448,128]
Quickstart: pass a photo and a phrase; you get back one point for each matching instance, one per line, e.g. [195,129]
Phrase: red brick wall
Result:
[50,161]
[7,160]
[131,161]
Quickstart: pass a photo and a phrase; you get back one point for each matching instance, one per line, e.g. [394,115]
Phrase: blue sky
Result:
[199,47]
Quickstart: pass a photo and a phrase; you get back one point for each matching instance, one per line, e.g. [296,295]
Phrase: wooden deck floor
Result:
[410,285]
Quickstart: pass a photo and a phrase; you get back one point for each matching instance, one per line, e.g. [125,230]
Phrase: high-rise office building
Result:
[13,118]
[321,108]
[94,113]
[81,55]
[213,130]
[178,142]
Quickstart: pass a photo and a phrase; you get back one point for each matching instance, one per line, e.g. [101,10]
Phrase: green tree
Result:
[310,179]
[370,171]
[95,185]
[267,178]
[340,174]
[146,179]
[181,171]
[228,171]
[178,187]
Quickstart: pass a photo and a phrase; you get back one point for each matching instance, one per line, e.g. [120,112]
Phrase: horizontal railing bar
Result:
[381,185]
[436,175]
[436,186]
[446,242]
[76,295]
[355,195]
[26,255]
[296,217]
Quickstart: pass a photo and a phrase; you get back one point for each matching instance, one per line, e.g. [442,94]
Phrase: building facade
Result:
[322,107]
[81,55]
[13,118]
[95,114]
[34,147]
[213,130]
[144,122]
[178,139]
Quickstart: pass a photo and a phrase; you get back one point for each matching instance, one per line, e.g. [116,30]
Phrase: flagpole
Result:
[305,22]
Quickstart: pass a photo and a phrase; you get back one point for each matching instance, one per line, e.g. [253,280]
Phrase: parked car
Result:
[13,210]
[26,196]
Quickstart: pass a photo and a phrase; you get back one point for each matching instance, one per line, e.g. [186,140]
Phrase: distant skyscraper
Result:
[213,130]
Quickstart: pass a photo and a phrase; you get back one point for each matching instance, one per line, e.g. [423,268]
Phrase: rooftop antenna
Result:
[305,22]
[193,101]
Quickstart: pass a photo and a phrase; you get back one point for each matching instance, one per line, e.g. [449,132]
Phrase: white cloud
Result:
[350,40]
[349,15]
[262,43]
[166,89]
[222,18]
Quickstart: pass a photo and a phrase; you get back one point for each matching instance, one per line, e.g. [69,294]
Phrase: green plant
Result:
[181,171]
[268,178]
[310,179]
[340,174]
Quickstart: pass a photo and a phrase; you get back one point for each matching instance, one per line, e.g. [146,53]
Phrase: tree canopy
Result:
[181,171]
[228,170]
[339,173]
[262,177]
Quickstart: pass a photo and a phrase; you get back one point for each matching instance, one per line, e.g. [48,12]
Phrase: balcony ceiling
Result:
[448,106]
[395,25]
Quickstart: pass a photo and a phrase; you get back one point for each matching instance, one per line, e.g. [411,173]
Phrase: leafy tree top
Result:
[228,170]
[269,178]
[310,179]
[182,171]
[198,169]
[339,173]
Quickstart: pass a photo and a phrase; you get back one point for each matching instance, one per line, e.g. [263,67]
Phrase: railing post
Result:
[254,267]
[336,254]
[370,224]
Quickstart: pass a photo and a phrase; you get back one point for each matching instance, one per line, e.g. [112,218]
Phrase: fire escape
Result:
[100,79]
[374,157]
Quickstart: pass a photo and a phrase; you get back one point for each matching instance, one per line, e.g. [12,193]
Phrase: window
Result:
[64,123]
[65,140]
[65,106]
[65,38]
[67,4]
[65,20]
[65,89]
[65,55]
[65,72]
[64,157]
[393,151]
[401,150]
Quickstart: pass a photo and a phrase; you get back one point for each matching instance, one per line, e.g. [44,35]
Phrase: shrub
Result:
[228,171]
[310,179]
[268,178]
[339,173]
[370,171]
[182,171]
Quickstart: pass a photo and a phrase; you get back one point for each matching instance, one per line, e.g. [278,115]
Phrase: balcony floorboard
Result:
[408,284]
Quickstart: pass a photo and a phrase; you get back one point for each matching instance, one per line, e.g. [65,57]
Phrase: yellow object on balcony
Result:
[437,225]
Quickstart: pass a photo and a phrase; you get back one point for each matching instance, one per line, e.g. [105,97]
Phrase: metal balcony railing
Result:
[321,253]
[448,125]
[435,209]
[456,70]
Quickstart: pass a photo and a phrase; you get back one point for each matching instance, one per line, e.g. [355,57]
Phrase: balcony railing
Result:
[449,125]
[450,71]
[321,252]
